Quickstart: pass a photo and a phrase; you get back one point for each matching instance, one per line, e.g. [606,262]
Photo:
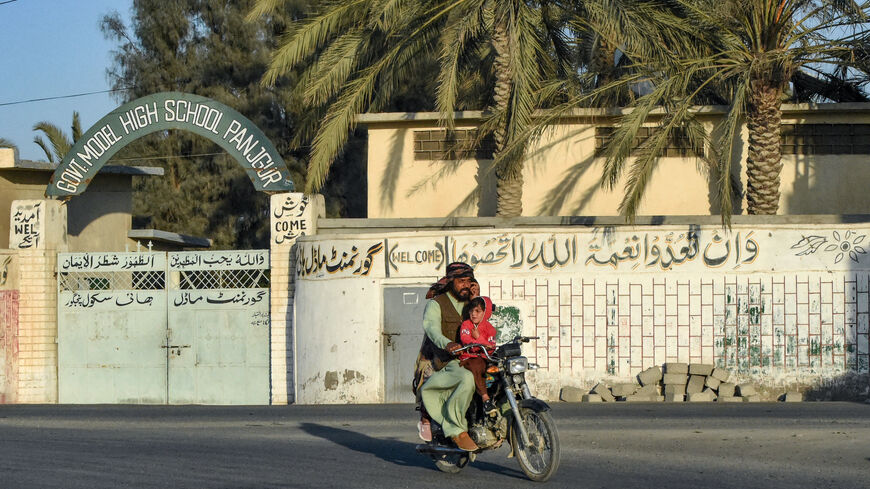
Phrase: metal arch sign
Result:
[232,131]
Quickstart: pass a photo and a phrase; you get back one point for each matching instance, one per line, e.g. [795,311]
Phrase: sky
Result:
[53,48]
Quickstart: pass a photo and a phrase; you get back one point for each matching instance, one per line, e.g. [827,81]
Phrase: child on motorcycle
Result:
[476,329]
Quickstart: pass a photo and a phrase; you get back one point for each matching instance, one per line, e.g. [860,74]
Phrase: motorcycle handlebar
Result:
[484,348]
[473,345]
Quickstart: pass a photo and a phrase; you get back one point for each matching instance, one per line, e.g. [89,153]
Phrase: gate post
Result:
[38,230]
[292,215]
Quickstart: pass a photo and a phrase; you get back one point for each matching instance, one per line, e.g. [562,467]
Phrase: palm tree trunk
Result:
[764,163]
[603,62]
[509,177]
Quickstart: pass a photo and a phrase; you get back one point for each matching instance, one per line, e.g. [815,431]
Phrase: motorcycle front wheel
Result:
[540,458]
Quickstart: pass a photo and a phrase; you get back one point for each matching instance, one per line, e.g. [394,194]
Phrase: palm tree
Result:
[60,143]
[752,54]
[358,53]
[5,143]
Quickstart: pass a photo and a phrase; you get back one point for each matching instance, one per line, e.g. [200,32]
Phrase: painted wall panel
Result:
[777,304]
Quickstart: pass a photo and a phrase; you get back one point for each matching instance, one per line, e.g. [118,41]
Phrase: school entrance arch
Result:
[217,122]
[156,327]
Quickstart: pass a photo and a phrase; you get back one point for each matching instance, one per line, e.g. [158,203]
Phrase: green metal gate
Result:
[155,328]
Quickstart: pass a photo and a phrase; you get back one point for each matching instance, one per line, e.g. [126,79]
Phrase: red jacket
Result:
[486,332]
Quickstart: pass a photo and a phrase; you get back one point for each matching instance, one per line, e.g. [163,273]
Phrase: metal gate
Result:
[403,335]
[155,328]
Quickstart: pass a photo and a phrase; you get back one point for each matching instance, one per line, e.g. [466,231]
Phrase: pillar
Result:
[292,215]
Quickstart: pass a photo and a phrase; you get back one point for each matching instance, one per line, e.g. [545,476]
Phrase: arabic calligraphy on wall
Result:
[109,300]
[289,217]
[25,230]
[111,262]
[219,260]
[654,251]
[218,298]
[649,249]
[666,251]
[339,258]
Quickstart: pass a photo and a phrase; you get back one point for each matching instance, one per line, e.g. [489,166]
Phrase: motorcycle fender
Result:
[536,405]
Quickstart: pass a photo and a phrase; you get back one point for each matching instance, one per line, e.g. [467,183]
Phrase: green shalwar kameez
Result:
[447,393]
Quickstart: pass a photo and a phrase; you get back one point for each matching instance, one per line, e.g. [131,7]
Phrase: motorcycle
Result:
[523,420]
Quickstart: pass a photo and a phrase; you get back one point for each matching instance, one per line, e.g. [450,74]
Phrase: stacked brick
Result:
[676,382]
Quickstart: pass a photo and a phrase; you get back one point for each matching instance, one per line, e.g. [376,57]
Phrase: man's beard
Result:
[462,294]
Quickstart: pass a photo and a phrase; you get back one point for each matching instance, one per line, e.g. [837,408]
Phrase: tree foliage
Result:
[203,47]
[356,55]
[748,54]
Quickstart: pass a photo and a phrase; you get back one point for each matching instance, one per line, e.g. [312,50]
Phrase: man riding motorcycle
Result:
[447,392]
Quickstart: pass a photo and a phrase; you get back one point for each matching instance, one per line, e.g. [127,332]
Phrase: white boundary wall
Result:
[778,304]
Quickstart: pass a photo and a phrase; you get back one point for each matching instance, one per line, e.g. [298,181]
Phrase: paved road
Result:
[808,445]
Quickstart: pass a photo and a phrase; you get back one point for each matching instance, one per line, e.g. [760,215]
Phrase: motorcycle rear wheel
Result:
[451,464]
[540,459]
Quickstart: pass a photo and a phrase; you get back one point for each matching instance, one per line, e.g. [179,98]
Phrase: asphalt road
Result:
[806,445]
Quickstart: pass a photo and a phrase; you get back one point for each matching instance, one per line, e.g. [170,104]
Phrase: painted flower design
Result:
[847,245]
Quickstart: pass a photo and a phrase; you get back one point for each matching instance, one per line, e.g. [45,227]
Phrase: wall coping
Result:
[17,164]
[362,225]
[368,119]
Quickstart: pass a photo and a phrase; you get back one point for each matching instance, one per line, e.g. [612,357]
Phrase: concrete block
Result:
[571,394]
[602,390]
[660,398]
[726,389]
[592,398]
[700,369]
[675,389]
[648,390]
[729,399]
[696,384]
[721,374]
[640,398]
[752,398]
[674,397]
[745,390]
[705,396]
[792,396]
[623,390]
[649,376]
[680,379]
[712,382]
[676,368]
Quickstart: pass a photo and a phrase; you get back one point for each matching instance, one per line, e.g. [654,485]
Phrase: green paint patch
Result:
[507,323]
[754,315]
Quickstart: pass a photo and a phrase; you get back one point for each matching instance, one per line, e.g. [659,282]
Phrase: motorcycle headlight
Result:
[517,365]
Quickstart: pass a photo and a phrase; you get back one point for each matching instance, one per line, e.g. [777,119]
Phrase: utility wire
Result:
[7,1]
[60,96]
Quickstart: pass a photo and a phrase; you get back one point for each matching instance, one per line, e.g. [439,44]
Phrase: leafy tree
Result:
[751,54]
[204,47]
[357,55]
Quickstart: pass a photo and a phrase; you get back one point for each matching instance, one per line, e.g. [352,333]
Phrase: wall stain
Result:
[331,379]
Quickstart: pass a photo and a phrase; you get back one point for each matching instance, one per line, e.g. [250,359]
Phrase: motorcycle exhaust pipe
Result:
[439,450]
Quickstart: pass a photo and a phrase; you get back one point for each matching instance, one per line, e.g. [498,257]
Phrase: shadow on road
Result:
[393,451]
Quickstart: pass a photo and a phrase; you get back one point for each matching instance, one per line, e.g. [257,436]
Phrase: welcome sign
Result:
[171,110]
